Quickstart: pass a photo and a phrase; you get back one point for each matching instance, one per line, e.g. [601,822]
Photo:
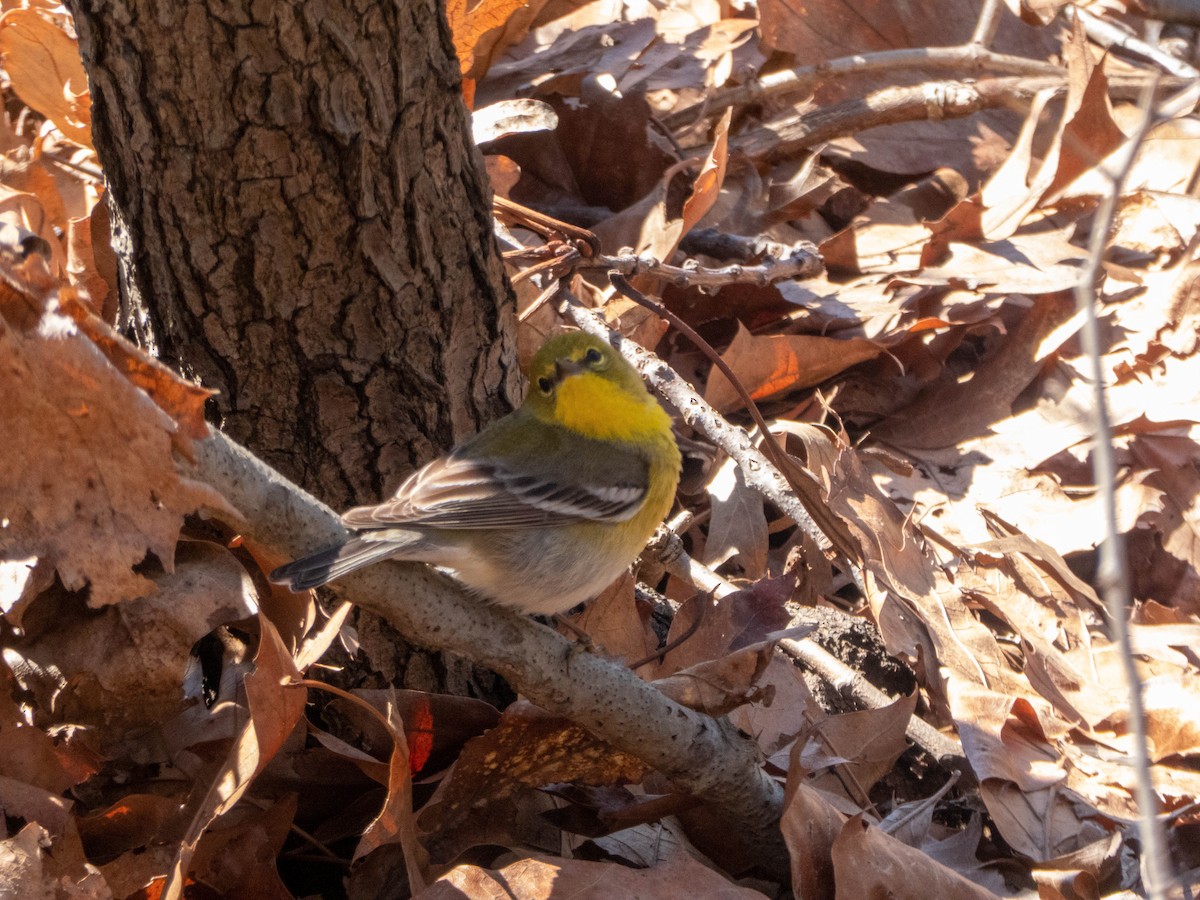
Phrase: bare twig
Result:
[988,22]
[1180,12]
[970,60]
[1112,577]
[931,100]
[1109,34]
[803,262]
[706,757]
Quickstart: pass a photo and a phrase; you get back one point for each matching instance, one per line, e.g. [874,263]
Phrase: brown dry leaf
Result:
[646,844]
[396,823]
[738,527]
[606,152]
[615,624]
[869,863]
[1173,573]
[771,365]
[888,236]
[857,748]
[790,710]
[959,852]
[236,856]
[810,825]
[181,399]
[711,177]
[1171,701]
[78,502]
[83,268]
[26,173]
[29,868]
[1017,186]
[503,175]
[1089,135]
[533,878]
[26,228]
[276,704]
[47,72]
[1007,730]
[1168,156]
[497,120]
[955,408]
[635,322]
[1155,328]
[718,687]
[817,31]
[1031,790]
[436,725]
[30,755]
[692,55]
[729,623]
[528,748]
[1155,224]
[573,52]
[477,28]
[832,28]
[1040,261]
[86,667]
[652,225]
[133,822]
[1021,184]
[54,865]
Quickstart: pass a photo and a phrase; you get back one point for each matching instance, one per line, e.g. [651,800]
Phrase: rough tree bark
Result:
[303,225]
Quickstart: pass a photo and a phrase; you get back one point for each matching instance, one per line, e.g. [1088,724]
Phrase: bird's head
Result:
[579,381]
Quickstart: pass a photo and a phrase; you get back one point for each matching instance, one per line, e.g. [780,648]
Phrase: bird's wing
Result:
[461,492]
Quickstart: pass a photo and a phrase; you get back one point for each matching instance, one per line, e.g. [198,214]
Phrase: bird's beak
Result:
[564,366]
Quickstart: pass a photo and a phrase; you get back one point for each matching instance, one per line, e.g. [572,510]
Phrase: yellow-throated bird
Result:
[543,508]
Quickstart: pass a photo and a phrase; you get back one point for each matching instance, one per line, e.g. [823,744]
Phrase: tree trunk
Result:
[303,225]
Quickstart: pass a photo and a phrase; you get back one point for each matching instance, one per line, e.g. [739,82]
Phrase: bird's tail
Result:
[334,562]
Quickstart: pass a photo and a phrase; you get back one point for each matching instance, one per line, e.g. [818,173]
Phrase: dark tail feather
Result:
[315,570]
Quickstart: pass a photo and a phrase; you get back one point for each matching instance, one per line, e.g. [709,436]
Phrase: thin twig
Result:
[931,101]
[1112,577]
[1108,35]
[970,60]
[542,299]
[803,262]
[1181,12]
[986,25]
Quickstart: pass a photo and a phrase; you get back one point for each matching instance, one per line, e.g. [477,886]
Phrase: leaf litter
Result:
[930,387]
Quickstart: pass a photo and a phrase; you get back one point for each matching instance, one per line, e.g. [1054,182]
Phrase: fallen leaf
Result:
[771,365]
[46,71]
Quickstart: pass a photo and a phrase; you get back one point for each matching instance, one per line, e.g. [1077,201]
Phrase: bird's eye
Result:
[593,356]
[545,385]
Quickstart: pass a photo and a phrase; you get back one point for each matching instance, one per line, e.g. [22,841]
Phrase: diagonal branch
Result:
[706,757]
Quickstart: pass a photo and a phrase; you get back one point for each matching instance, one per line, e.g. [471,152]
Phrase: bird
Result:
[542,509]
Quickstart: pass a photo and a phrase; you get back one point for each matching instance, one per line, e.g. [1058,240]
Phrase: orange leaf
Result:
[771,365]
[47,72]
[711,177]
[477,31]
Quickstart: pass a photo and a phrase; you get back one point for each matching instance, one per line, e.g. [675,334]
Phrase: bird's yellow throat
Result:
[599,408]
